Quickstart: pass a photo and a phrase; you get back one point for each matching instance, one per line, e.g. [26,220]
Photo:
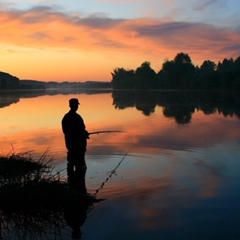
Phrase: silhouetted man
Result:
[75,138]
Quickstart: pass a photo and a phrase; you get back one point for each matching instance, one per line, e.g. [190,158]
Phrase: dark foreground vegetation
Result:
[180,73]
[36,203]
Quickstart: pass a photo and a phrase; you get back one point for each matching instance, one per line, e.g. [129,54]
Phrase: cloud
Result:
[232,48]
[95,21]
[38,35]
[47,27]
[36,15]
[203,36]
[202,5]
[120,1]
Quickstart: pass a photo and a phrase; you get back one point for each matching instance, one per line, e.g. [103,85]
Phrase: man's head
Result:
[73,103]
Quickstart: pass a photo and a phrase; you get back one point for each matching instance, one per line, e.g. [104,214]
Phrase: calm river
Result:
[172,174]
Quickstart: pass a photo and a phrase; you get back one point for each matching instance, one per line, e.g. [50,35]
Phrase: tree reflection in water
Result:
[179,105]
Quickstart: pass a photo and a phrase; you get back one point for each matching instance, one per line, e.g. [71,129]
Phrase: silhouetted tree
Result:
[145,77]
[178,73]
[122,78]
[236,82]
[167,75]
[226,73]
[237,64]
[8,81]
[206,76]
[208,66]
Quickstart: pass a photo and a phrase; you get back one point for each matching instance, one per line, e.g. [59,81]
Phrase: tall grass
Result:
[21,169]
[33,200]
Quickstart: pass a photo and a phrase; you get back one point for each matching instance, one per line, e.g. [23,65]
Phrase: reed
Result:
[33,200]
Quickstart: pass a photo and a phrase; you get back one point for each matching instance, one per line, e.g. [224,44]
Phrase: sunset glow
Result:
[59,40]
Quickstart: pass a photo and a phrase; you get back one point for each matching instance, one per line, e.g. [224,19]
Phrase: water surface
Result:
[173,173]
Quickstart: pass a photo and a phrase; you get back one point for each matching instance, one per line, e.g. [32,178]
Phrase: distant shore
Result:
[9,82]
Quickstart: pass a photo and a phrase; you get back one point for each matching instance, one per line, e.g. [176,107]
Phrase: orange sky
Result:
[44,43]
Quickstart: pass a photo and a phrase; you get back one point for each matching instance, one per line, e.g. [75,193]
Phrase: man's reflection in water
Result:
[76,211]
[76,177]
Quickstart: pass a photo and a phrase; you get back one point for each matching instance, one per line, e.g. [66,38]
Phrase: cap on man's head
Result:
[73,101]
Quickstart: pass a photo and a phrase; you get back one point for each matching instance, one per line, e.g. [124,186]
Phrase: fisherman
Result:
[76,137]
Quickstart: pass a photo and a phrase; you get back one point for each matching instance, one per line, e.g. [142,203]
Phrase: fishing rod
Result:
[110,131]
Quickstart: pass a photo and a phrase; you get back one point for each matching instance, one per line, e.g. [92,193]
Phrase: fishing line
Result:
[112,172]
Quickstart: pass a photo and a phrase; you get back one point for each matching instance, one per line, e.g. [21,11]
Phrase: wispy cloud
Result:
[54,28]
[202,5]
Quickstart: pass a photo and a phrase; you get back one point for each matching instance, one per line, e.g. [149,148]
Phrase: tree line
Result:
[8,81]
[180,73]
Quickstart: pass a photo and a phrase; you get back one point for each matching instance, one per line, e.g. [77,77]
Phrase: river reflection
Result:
[173,173]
